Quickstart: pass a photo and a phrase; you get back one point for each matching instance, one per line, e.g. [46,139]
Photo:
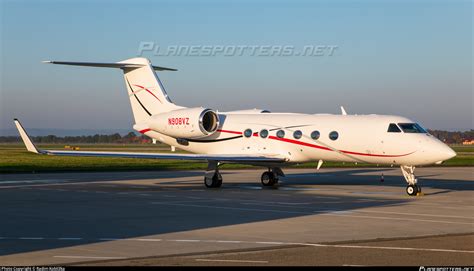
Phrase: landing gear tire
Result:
[412,190]
[409,174]
[269,178]
[214,182]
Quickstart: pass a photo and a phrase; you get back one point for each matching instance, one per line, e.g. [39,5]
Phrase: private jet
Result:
[262,138]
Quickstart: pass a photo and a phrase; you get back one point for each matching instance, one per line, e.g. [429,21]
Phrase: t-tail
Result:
[146,93]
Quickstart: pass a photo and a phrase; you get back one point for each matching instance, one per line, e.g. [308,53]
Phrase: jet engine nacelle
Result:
[186,123]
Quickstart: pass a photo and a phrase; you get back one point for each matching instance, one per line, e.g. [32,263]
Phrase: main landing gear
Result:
[270,177]
[213,179]
[409,173]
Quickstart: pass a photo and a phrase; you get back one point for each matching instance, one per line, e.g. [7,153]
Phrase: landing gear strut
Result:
[409,173]
[270,177]
[212,178]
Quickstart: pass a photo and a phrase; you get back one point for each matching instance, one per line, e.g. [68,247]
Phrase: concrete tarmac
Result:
[162,218]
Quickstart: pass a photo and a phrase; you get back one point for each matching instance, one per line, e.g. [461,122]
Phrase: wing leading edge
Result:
[236,158]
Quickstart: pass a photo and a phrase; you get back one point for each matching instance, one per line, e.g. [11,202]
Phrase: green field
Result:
[15,159]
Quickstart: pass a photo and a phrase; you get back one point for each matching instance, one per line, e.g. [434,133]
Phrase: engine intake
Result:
[208,121]
[186,123]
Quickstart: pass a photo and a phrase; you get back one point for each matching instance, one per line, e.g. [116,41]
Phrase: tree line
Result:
[452,137]
[132,138]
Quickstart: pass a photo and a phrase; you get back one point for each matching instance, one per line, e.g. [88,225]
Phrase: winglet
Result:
[26,139]
[343,111]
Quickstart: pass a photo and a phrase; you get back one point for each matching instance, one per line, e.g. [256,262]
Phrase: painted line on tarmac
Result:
[34,181]
[397,248]
[87,257]
[231,208]
[239,242]
[396,218]
[442,205]
[251,187]
[341,213]
[414,214]
[146,240]
[229,261]
[270,243]
[224,241]
[182,201]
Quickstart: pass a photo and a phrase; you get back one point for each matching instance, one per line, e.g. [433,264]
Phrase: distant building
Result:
[468,142]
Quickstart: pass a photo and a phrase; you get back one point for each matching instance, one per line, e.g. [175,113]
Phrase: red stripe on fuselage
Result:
[144,131]
[292,141]
[148,91]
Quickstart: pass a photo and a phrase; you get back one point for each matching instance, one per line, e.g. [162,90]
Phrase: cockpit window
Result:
[412,128]
[393,128]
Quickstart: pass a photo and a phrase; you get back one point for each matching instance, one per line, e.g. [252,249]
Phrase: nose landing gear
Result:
[413,190]
[409,173]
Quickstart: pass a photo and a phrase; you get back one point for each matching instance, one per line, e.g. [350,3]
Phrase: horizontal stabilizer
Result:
[119,65]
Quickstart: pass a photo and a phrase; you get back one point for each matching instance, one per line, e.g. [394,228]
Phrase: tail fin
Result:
[147,95]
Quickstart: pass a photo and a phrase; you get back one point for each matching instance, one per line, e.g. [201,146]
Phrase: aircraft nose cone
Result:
[449,153]
[444,152]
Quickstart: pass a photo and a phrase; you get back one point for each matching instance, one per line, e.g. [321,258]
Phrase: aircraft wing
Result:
[236,158]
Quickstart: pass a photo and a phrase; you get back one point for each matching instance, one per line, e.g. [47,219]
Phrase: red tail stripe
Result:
[148,91]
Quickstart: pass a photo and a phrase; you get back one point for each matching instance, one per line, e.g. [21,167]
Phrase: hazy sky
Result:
[409,58]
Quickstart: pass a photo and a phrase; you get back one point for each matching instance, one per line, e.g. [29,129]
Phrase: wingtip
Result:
[25,138]
[46,61]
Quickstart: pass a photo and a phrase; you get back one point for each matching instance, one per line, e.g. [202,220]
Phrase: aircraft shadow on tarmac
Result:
[356,177]
[53,214]
[350,177]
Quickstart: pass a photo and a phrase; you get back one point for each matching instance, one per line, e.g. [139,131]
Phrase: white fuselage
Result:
[258,137]
[361,138]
